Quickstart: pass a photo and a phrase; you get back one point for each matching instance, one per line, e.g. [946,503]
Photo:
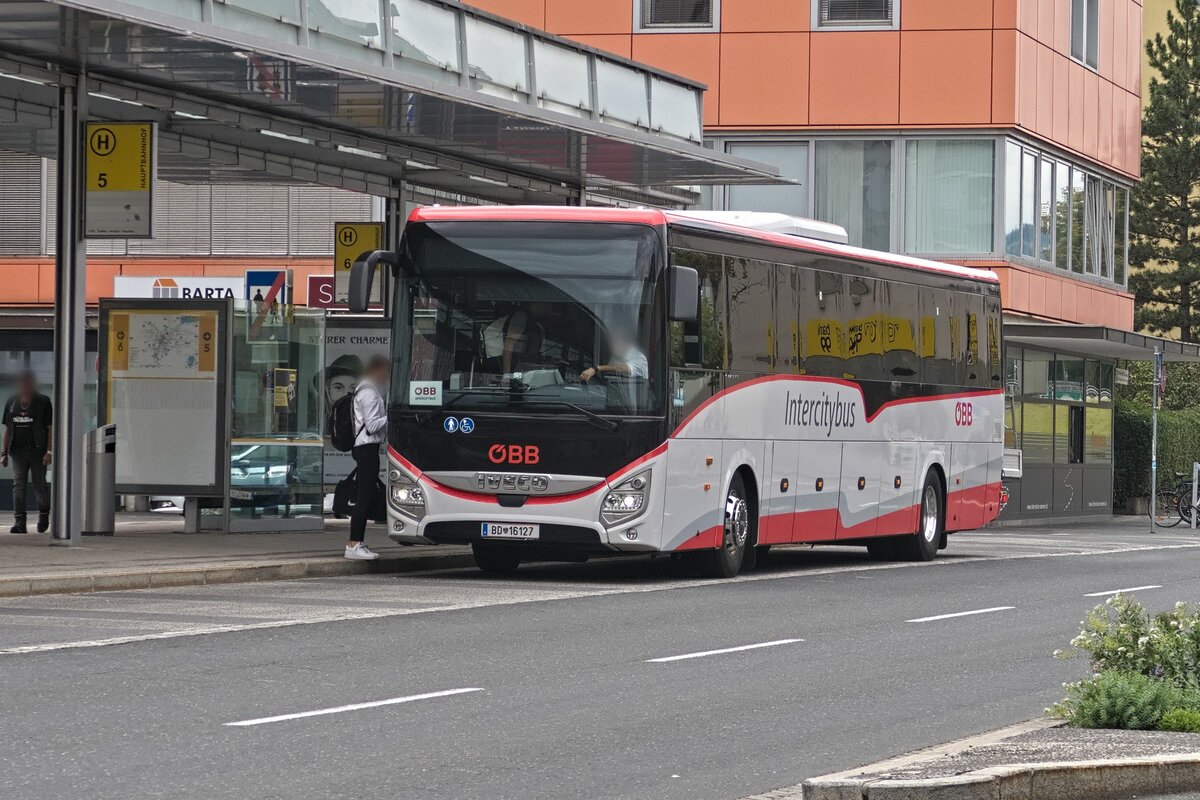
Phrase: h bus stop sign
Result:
[120,180]
[351,240]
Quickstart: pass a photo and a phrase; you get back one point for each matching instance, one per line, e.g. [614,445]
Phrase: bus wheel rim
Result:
[737,521]
[929,514]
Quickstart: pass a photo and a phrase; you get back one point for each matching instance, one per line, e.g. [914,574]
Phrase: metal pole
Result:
[1154,437]
[69,299]
[394,221]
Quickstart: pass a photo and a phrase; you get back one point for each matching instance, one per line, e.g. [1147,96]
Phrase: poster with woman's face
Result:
[349,345]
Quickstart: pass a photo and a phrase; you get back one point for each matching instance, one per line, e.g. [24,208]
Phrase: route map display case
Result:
[163,368]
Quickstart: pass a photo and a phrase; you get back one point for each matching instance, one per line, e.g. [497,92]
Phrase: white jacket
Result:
[370,414]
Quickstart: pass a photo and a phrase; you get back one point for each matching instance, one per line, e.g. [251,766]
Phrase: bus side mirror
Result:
[685,294]
[362,276]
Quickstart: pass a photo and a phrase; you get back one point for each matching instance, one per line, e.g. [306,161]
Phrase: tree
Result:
[1165,210]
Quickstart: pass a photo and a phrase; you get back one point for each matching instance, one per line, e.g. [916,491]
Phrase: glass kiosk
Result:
[276,471]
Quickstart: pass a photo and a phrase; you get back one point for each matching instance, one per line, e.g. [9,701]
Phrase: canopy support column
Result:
[69,298]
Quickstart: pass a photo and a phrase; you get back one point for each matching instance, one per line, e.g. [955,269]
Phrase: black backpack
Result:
[340,423]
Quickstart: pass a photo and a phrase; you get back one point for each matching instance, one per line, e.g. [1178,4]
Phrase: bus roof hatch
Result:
[773,223]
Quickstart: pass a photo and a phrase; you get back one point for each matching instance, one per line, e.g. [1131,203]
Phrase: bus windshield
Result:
[533,317]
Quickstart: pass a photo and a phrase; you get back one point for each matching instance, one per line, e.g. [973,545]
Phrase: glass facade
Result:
[949,196]
[853,187]
[1059,407]
[1058,214]
[962,197]
[792,161]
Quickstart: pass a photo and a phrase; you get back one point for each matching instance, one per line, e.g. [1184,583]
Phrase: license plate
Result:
[507,530]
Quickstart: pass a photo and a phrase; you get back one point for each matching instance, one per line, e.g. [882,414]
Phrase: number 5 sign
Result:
[352,240]
[120,180]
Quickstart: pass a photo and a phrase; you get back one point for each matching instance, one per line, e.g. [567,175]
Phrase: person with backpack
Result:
[369,418]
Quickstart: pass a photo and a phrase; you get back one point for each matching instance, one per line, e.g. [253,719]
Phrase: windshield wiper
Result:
[592,417]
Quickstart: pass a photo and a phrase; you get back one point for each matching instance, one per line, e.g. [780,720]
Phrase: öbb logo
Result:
[964,414]
[514,454]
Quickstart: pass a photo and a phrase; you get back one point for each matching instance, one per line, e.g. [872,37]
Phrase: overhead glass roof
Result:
[364,91]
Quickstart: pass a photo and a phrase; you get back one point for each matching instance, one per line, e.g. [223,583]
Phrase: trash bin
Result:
[99,480]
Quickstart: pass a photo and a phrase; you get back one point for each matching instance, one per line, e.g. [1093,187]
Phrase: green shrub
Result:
[1126,700]
[1178,447]
[1181,720]
[1121,636]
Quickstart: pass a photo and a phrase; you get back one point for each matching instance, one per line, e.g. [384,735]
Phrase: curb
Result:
[1113,779]
[168,577]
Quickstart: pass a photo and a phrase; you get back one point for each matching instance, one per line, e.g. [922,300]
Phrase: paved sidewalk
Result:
[151,550]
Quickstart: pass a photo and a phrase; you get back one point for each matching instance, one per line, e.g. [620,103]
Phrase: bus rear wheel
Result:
[496,559]
[924,544]
[738,532]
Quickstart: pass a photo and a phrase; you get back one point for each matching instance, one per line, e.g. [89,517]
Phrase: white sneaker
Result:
[359,552]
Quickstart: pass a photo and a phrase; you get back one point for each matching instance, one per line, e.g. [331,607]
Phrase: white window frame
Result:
[1088,40]
[815,6]
[638,27]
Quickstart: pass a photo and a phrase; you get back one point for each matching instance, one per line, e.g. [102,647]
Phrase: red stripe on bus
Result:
[825,525]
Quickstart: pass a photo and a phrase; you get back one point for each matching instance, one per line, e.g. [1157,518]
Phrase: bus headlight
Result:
[406,495]
[626,500]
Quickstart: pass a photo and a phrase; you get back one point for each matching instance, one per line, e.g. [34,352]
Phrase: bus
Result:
[571,382]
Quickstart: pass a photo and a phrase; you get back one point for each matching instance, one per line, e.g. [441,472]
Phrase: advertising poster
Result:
[349,344]
[284,392]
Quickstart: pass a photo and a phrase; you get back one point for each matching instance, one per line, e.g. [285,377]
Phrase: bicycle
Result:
[1173,505]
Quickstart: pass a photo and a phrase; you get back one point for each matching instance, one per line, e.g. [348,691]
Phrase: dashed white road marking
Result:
[1123,591]
[722,651]
[963,614]
[47,647]
[320,712]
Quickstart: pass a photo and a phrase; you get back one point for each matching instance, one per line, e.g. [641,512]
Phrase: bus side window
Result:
[900,317]
[822,326]
[864,334]
[991,310]
[701,344]
[937,363]
[789,334]
[752,330]
[978,370]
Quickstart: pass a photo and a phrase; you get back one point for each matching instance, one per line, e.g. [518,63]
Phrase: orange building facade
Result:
[905,95]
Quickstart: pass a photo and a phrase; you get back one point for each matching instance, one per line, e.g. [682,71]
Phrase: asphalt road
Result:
[593,681]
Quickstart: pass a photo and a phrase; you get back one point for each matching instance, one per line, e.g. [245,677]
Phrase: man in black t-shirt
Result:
[28,430]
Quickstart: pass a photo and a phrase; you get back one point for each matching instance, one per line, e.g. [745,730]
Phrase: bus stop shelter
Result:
[366,95]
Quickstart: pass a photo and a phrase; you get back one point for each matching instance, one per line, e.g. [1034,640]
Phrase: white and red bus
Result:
[571,382]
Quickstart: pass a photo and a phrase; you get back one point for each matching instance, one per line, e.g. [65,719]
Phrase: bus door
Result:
[777,519]
[859,507]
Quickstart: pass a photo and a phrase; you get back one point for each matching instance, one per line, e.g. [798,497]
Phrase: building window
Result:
[852,187]
[1122,243]
[1045,234]
[1085,32]
[655,14]
[855,13]
[1062,217]
[792,161]
[949,196]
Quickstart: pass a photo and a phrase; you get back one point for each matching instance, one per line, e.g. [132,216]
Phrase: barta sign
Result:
[178,288]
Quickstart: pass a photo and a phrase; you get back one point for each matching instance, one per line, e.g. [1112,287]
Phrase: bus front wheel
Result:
[496,559]
[738,533]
